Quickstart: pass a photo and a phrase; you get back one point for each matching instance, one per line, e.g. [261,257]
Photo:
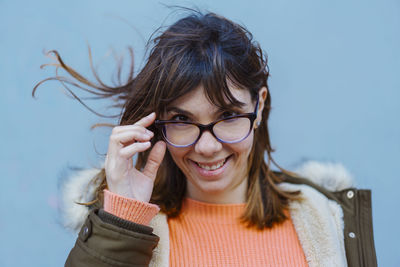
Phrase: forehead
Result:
[197,99]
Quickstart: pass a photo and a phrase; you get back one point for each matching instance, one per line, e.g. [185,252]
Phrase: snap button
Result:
[350,194]
[86,231]
[352,235]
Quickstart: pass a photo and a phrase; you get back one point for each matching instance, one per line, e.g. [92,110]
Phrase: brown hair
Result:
[208,50]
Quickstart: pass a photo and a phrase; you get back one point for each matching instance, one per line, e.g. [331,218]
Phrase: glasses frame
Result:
[160,124]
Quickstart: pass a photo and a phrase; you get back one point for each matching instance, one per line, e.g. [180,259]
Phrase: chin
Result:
[211,187]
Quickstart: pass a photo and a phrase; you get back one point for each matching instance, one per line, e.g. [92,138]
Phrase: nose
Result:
[207,145]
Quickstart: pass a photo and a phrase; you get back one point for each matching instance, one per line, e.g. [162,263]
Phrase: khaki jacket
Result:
[333,222]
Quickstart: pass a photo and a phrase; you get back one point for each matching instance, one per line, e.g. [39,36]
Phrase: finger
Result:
[134,127]
[122,138]
[128,151]
[147,121]
[154,160]
[130,137]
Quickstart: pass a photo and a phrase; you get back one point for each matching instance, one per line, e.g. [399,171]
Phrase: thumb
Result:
[154,160]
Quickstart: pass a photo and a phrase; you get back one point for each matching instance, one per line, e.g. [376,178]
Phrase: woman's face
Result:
[216,172]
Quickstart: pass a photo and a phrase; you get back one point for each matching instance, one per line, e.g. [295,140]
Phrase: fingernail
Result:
[149,132]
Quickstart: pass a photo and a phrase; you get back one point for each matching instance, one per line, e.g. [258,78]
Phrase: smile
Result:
[211,166]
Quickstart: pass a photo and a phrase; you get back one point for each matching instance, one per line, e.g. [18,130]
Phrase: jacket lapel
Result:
[161,252]
[319,225]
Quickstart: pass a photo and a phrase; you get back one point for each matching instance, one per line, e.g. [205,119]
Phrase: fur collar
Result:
[76,188]
[319,225]
[317,220]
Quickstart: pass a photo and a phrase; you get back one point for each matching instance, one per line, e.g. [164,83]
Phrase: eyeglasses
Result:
[232,129]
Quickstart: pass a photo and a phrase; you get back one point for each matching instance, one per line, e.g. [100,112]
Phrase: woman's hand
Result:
[125,141]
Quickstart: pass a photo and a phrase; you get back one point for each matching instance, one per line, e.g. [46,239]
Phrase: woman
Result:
[201,193]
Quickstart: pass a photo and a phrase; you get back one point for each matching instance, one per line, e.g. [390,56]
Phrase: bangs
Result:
[212,69]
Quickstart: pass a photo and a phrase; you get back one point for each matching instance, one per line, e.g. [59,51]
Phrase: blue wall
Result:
[334,83]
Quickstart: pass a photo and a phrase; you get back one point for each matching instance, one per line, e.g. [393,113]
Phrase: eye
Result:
[180,117]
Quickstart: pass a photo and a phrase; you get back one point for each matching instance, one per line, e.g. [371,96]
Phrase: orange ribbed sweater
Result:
[207,234]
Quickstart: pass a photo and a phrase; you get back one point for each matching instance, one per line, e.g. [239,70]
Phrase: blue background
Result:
[334,83]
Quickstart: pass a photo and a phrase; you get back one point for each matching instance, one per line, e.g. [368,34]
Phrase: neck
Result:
[234,195]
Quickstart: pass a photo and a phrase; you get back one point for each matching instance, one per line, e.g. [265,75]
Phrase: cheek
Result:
[177,154]
[243,148]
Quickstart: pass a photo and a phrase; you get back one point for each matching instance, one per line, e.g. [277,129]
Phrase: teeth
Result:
[213,167]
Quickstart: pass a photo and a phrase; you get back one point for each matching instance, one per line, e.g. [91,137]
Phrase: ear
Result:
[262,96]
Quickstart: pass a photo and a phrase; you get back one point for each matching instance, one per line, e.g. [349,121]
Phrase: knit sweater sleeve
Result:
[129,209]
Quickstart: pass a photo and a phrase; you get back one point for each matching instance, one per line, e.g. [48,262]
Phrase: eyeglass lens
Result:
[230,131]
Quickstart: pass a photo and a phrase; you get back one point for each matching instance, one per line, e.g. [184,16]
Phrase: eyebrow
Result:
[180,111]
[189,114]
